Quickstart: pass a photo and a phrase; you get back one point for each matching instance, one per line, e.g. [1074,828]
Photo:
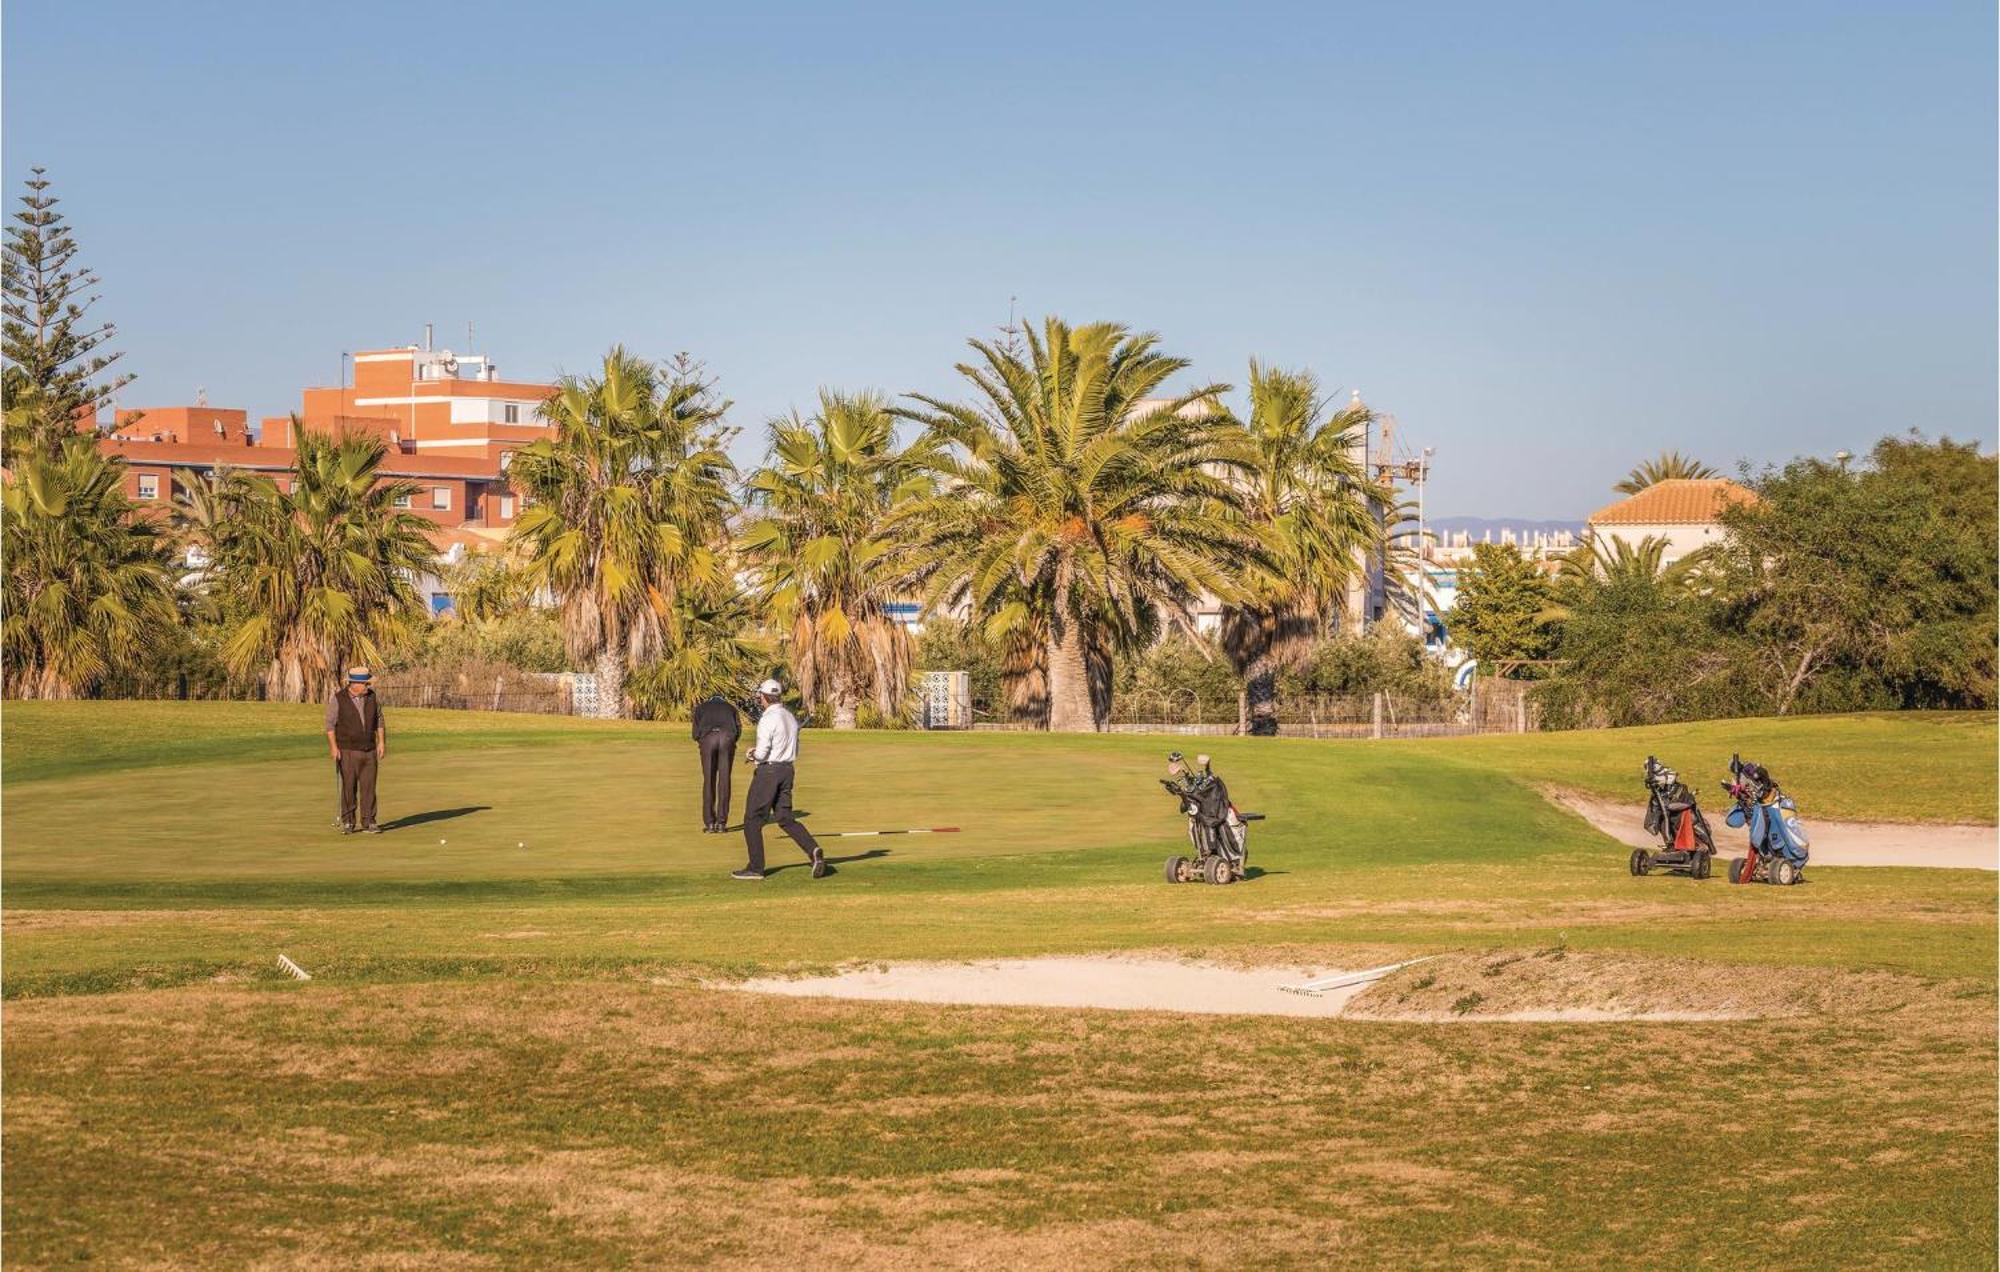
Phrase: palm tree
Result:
[485,586]
[818,548]
[709,649]
[317,576]
[1606,561]
[87,576]
[1070,499]
[1669,466]
[625,506]
[1306,493]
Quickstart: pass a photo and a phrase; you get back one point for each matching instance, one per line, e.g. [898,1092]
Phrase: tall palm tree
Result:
[1306,492]
[87,576]
[626,505]
[320,575]
[1064,491]
[817,544]
[1668,466]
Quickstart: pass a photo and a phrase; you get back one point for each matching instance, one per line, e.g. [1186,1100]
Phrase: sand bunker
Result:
[1160,984]
[1128,984]
[1834,843]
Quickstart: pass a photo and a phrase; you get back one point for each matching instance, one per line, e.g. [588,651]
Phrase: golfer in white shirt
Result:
[771,788]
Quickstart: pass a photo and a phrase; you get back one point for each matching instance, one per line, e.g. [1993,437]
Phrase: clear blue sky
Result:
[1552,238]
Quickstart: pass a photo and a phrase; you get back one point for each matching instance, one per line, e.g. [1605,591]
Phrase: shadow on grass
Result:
[435,815]
[870,855]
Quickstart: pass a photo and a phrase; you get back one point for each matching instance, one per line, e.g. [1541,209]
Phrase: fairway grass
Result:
[514,1049]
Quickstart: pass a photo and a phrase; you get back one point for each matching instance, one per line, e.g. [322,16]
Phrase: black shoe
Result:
[746,874]
[820,867]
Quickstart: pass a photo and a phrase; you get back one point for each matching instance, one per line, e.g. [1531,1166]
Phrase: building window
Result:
[512,412]
[149,486]
[403,500]
[506,507]
[441,497]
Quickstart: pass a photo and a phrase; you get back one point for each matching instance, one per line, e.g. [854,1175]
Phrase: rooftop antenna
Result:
[469,346]
[201,396]
[427,337]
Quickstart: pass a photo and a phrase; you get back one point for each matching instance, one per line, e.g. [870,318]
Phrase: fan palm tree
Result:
[710,649]
[1306,492]
[625,506]
[88,578]
[1068,498]
[816,543]
[317,576]
[485,586]
[1668,466]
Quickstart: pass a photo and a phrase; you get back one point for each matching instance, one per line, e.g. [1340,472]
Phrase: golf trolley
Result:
[1219,833]
[1778,840]
[1671,813]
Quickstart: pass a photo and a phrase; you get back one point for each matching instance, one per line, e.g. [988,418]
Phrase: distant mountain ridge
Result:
[1477,527]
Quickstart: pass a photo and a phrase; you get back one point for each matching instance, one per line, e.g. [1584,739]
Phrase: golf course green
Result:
[519,1044]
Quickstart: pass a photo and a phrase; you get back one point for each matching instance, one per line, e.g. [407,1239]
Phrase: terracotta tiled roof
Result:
[1678,501]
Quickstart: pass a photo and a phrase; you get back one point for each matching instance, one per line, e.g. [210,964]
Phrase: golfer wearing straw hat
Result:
[359,739]
[776,751]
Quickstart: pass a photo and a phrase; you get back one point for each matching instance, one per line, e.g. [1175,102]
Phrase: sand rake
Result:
[293,970]
[1346,980]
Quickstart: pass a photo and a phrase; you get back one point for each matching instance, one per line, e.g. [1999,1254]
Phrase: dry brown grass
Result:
[605,1122]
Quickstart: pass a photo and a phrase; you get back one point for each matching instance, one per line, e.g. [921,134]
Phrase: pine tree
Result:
[55,359]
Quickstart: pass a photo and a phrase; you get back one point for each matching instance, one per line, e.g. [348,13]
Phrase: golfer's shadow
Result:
[1258,872]
[435,815]
[869,855]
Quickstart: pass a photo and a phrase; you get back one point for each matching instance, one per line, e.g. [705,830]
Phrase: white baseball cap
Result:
[771,689]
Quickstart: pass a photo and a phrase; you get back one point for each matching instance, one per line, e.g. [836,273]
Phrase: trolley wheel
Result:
[1640,862]
[1176,869]
[1784,873]
[1217,871]
[1701,864]
[1736,870]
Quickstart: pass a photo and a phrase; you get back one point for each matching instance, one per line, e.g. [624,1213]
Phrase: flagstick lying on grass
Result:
[864,834]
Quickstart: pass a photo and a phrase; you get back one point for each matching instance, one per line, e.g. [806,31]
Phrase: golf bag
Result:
[1778,841]
[1219,833]
[1672,814]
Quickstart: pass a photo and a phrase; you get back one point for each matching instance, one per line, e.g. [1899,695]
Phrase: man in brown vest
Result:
[359,740]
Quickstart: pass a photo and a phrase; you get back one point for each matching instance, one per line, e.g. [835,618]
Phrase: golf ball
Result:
[440,841]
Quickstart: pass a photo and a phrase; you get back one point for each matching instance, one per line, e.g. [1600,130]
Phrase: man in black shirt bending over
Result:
[716,728]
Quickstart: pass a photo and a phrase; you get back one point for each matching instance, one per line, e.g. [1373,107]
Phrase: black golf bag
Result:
[1672,814]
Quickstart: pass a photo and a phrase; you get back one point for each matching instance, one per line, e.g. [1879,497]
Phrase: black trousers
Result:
[718,752]
[771,795]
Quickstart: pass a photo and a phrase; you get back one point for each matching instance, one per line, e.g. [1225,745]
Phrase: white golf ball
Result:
[440,841]
[520,845]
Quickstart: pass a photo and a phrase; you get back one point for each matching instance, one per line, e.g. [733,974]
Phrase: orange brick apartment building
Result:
[450,423]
